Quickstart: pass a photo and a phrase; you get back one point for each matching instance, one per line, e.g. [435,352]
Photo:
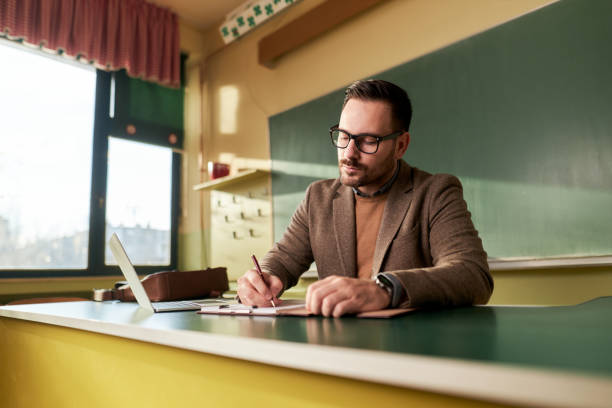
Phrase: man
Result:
[383,234]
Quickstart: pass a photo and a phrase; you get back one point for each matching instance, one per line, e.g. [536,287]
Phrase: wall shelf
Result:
[227,180]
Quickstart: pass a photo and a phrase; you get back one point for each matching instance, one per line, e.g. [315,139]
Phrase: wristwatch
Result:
[394,289]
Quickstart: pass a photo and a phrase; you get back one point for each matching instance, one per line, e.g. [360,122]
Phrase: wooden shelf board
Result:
[227,180]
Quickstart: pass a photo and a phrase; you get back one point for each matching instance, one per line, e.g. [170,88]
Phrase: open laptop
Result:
[139,292]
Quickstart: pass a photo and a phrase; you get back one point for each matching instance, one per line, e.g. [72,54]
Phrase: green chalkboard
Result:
[521,113]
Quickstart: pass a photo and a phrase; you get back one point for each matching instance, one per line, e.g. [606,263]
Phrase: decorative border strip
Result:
[250,15]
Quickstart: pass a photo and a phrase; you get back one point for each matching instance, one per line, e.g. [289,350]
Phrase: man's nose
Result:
[351,150]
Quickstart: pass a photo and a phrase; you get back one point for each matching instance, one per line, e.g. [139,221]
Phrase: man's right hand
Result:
[254,291]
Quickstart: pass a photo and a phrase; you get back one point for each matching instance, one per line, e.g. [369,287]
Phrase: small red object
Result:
[219,170]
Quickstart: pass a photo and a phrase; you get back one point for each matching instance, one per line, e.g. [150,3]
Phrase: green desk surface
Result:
[566,338]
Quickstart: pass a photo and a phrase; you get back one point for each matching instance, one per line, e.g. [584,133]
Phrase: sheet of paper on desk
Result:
[288,308]
[239,309]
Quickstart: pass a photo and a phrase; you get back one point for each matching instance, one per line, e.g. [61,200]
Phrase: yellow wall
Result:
[389,34]
[190,222]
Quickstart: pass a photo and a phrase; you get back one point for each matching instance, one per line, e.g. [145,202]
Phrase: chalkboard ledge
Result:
[501,264]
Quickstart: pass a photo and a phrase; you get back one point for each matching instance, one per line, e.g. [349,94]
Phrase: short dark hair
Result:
[379,90]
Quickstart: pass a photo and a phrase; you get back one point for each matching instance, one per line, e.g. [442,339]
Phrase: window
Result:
[138,201]
[46,134]
[82,155]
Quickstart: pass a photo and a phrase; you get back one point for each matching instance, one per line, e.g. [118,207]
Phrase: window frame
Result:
[103,127]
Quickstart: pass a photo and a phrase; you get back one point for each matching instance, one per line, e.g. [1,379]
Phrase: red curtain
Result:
[111,34]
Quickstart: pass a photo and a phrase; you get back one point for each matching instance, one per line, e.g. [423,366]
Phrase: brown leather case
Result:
[173,285]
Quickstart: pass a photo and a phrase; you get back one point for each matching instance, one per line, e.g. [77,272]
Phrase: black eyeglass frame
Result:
[351,136]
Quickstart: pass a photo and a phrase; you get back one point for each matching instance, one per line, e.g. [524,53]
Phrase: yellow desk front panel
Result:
[52,366]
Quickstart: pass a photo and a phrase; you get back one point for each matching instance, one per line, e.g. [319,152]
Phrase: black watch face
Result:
[383,285]
[385,281]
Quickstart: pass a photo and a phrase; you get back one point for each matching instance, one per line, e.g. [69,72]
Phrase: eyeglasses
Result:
[365,142]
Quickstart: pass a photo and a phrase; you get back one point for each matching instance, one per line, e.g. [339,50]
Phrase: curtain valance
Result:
[111,34]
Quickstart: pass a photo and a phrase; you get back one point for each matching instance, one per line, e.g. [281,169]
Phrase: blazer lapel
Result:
[344,229]
[396,208]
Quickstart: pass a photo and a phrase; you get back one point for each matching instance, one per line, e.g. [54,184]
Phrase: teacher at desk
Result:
[384,234]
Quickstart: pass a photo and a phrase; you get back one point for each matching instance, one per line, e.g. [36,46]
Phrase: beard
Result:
[362,175]
[353,178]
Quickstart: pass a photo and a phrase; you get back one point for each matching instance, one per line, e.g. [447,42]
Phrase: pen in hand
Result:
[261,275]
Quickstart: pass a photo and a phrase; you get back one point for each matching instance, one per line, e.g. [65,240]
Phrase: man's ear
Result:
[403,141]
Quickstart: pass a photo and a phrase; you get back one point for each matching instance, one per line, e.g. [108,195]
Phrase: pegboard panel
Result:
[240,225]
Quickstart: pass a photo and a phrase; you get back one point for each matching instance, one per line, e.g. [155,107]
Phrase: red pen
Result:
[261,275]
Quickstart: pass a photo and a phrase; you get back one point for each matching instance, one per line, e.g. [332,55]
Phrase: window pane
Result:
[46,133]
[138,201]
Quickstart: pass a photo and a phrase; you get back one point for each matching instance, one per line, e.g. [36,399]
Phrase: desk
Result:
[100,354]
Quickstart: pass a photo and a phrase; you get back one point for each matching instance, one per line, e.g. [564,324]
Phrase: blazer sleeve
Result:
[292,255]
[460,271]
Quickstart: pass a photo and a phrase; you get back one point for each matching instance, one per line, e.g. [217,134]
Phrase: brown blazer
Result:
[426,239]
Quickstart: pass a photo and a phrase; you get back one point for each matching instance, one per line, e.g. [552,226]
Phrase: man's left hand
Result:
[339,295]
